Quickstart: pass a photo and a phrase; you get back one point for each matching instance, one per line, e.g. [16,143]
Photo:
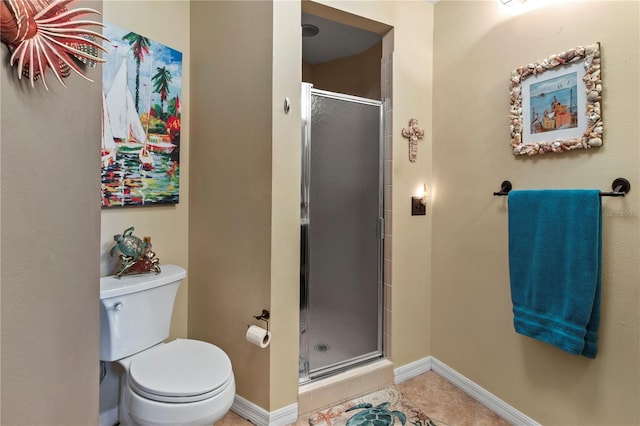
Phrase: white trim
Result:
[481,395]
[284,416]
[411,370]
[261,417]
[486,398]
[109,417]
[250,411]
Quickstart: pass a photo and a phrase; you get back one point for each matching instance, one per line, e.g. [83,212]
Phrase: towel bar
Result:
[620,187]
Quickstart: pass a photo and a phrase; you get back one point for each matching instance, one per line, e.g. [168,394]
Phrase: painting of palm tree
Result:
[139,48]
[141,141]
[161,80]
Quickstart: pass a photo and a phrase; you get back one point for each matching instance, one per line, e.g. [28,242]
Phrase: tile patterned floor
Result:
[446,404]
[439,399]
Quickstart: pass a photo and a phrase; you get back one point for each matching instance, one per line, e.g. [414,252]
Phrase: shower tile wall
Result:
[387,96]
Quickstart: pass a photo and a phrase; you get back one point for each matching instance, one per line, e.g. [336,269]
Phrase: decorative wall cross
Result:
[413,133]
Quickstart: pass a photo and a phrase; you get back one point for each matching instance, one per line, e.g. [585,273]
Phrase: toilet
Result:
[182,382]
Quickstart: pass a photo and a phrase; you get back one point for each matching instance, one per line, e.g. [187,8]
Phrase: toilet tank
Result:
[135,311]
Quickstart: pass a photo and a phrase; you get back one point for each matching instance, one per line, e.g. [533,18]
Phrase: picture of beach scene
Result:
[554,103]
[140,121]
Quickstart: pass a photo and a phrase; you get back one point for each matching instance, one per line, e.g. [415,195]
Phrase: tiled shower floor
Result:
[338,337]
[439,399]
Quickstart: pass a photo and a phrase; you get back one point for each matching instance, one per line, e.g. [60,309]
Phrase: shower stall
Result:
[341,245]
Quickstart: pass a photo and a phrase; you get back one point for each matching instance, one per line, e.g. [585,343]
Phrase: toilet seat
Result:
[181,371]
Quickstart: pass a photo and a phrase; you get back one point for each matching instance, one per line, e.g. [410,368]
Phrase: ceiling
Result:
[334,40]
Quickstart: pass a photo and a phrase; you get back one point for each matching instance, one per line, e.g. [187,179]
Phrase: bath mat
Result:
[380,408]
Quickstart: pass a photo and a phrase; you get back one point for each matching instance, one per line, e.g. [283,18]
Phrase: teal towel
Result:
[555,255]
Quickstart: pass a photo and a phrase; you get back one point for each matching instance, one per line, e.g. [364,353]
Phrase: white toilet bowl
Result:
[183,382]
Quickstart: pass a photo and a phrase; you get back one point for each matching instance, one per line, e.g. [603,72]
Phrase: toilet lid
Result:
[180,371]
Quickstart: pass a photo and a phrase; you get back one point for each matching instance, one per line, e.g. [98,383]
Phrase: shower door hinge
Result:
[381,228]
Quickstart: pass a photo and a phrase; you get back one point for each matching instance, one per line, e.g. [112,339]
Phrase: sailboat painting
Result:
[141,92]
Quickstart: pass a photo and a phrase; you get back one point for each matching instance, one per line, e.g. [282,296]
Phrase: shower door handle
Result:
[304,267]
[380,228]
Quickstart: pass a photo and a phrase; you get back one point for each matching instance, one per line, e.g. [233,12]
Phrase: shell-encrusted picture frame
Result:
[556,103]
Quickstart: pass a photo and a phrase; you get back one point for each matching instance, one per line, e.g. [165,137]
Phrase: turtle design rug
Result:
[385,407]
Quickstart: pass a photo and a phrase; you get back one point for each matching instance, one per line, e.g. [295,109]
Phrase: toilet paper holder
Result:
[264,316]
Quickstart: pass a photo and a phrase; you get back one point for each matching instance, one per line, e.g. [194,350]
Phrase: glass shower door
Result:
[341,244]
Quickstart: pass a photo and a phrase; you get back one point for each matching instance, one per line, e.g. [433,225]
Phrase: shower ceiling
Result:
[334,40]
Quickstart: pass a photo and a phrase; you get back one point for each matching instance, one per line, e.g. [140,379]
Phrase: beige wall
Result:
[231,190]
[166,22]
[50,244]
[475,48]
[244,217]
[285,204]
[357,75]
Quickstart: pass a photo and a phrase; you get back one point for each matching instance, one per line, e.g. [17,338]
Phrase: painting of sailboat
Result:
[140,121]
[108,152]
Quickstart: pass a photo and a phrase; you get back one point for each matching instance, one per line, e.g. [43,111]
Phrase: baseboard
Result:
[109,417]
[411,370]
[472,389]
[261,417]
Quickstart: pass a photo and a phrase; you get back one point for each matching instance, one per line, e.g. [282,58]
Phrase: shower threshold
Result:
[339,367]
[344,385]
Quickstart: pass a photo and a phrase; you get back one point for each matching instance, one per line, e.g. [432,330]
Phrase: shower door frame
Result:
[305,375]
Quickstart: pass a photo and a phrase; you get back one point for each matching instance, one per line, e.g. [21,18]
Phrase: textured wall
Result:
[230,209]
[476,47]
[50,248]
[166,22]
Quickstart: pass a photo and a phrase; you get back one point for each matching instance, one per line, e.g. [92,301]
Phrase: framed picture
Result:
[556,103]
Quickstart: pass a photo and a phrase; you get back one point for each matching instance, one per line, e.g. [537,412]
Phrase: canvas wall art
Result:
[140,121]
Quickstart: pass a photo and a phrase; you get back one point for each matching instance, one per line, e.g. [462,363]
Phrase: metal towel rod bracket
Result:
[620,187]
[505,187]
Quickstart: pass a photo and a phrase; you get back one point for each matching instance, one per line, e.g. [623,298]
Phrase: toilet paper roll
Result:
[258,336]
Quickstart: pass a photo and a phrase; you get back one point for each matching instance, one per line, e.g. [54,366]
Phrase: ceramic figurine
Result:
[136,256]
